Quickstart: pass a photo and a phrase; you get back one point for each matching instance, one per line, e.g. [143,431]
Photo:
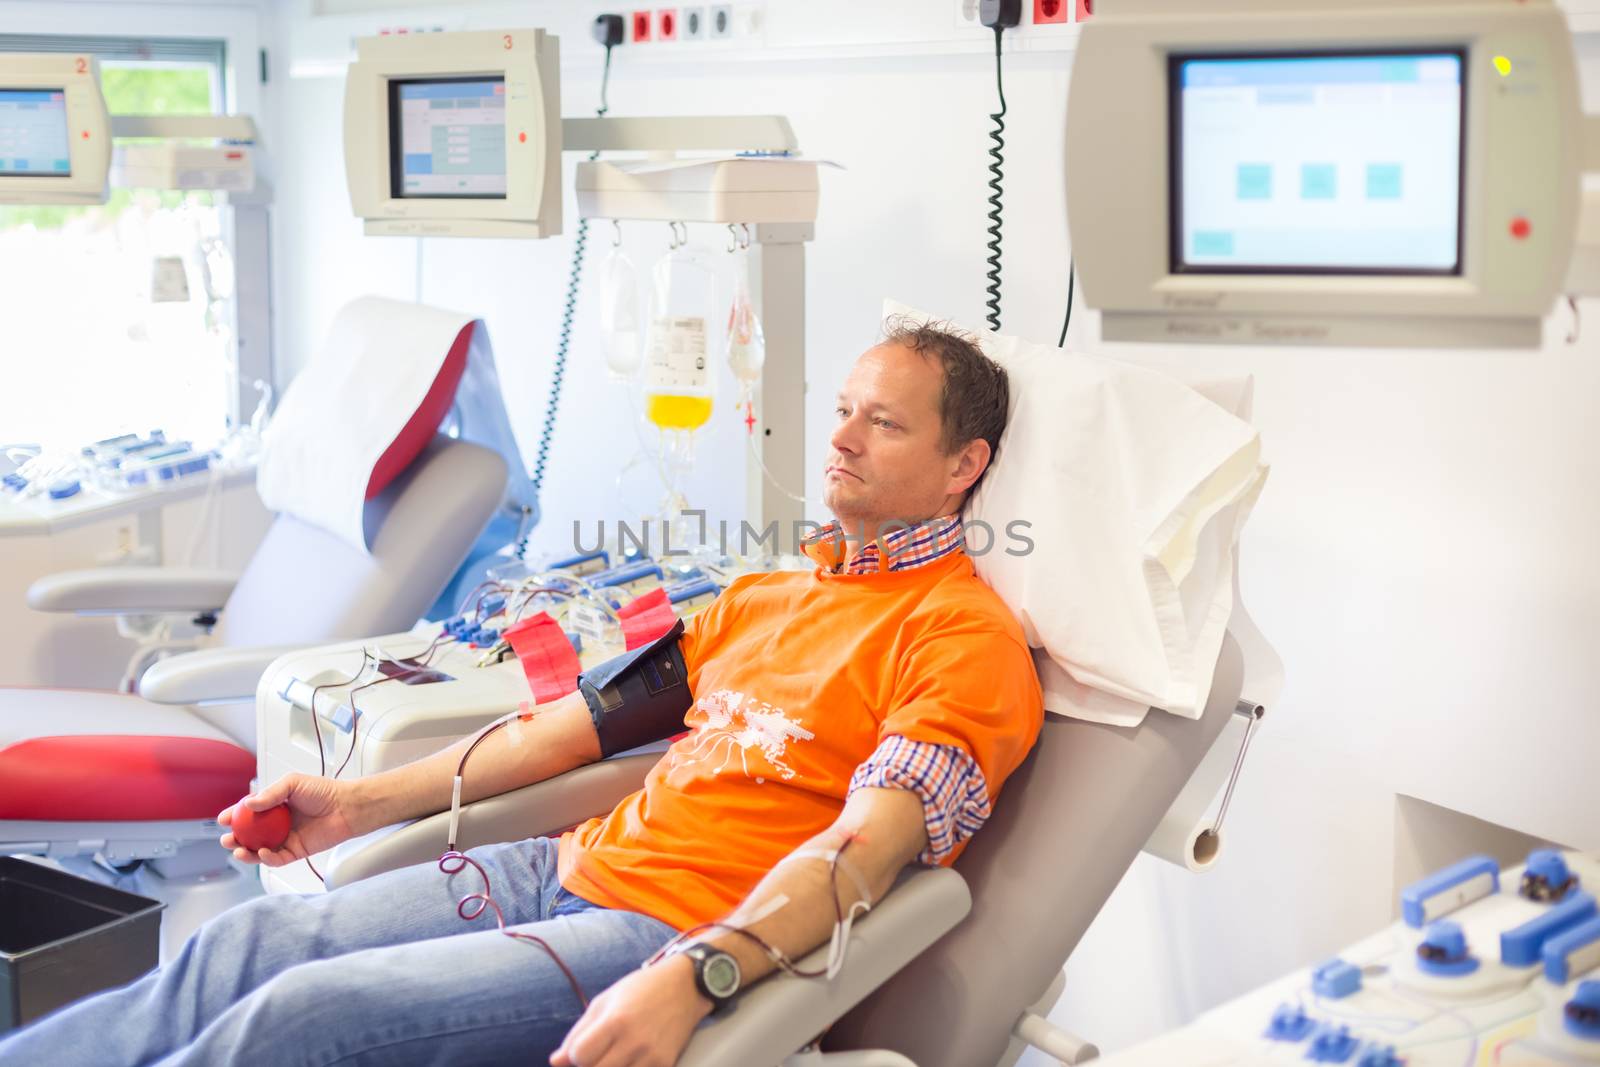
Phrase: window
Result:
[119,317]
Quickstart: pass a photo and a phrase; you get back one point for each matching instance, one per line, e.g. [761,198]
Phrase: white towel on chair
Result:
[1134,487]
[350,403]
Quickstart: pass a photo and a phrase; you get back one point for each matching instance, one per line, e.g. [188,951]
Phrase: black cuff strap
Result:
[640,696]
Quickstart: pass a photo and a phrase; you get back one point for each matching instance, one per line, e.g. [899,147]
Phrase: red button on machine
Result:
[1521,227]
[522,137]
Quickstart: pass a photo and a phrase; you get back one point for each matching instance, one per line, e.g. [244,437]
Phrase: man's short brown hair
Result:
[975,397]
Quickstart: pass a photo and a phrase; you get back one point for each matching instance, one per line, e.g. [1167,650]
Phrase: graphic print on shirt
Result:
[735,724]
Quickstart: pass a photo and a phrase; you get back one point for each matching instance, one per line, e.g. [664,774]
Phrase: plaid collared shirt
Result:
[948,781]
[899,549]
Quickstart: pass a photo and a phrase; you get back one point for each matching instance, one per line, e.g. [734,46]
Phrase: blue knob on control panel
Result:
[1332,1044]
[1379,1056]
[1289,1023]
[1582,1013]
[1335,979]
[1547,876]
[1444,951]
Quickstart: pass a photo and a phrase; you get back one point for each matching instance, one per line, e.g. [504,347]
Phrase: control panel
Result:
[1485,968]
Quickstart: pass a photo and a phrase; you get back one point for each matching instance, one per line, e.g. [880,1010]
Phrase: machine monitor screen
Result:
[447,137]
[33,134]
[1317,164]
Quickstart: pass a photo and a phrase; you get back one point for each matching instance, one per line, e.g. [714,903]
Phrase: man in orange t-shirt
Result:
[874,705]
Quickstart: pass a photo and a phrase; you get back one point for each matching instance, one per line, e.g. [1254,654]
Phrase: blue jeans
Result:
[382,971]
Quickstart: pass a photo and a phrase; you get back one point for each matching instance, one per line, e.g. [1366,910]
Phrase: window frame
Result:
[231,35]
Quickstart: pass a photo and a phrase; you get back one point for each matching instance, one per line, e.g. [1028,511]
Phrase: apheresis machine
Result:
[1363,173]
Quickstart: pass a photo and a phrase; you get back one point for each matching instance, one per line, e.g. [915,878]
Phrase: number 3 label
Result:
[507,40]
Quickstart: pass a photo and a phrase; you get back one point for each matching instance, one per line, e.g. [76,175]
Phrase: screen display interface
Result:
[33,133]
[448,137]
[1317,163]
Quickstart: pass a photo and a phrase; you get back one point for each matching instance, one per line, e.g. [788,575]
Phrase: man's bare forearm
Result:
[881,830]
[558,738]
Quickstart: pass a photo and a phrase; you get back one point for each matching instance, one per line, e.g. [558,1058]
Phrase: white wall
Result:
[1423,557]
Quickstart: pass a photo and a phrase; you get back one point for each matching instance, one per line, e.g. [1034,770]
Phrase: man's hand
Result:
[643,1020]
[323,813]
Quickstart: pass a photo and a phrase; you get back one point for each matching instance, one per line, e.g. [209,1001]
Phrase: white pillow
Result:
[1134,487]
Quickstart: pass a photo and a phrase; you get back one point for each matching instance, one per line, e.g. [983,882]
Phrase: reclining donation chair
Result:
[141,777]
[958,967]
[955,967]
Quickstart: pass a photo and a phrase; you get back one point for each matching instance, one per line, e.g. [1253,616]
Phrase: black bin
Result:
[63,937]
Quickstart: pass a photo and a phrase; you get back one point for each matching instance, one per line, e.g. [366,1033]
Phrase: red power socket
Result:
[667,24]
[1048,11]
[641,26]
[1085,11]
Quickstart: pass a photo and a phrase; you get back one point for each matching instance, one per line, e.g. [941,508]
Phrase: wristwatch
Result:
[716,974]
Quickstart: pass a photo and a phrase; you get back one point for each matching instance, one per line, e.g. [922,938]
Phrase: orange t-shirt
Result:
[797,678]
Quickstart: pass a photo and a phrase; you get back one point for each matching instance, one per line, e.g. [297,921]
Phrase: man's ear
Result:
[970,463]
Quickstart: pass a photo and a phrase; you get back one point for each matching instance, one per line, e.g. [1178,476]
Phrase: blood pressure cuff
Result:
[640,696]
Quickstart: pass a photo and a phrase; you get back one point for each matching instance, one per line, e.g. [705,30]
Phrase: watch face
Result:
[722,975]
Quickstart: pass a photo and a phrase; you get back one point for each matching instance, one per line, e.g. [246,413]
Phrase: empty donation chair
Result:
[142,777]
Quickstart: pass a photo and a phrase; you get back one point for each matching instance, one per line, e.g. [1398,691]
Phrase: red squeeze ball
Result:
[256,830]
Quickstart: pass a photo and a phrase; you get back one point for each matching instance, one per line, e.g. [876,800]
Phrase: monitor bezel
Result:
[396,150]
[67,129]
[1175,261]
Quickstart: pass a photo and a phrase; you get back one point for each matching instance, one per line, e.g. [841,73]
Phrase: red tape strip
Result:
[646,618]
[547,657]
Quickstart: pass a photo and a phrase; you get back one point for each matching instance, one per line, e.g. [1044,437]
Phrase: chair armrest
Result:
[779,1015]
[133,590]
[771,1020]
[542,808]
[210,675]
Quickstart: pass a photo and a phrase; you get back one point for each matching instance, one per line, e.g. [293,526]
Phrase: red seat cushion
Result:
[121,778]
[419,429]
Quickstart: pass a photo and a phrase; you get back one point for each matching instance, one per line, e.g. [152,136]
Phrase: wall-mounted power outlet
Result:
[667,24]
[1047,12]
[1084,12]
[642,25]
[693,23]
[719,22]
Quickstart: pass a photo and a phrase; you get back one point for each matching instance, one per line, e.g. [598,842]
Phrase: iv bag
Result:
[619,316]
[679,385]
[747,346]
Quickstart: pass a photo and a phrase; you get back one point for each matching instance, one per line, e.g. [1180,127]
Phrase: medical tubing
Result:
[997,190]
[771,478]
[454,862]
[322,759]
[1072,274]
[779,958]
[580,243]
[355,713]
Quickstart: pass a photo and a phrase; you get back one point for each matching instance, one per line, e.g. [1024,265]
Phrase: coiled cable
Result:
[996,188]
[569,309]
